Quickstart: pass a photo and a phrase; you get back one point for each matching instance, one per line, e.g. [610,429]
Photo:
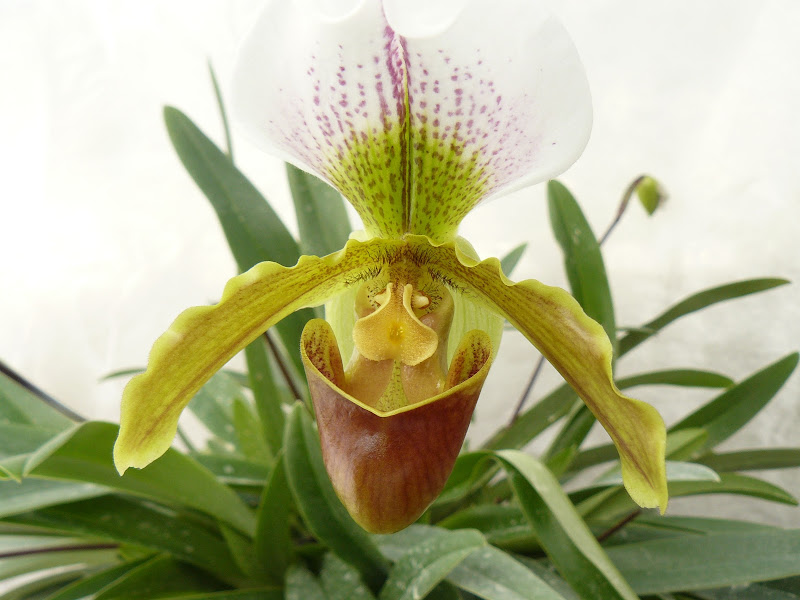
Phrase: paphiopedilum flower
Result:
[415,112]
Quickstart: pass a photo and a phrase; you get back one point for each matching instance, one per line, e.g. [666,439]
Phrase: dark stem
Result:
[73,548]
[527,391]
[626,198]
[287,375]
[43,396]
[627,519]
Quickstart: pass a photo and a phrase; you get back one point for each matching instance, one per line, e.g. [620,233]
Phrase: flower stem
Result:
[287,376]
[626,198]
[537,369]
[615,528]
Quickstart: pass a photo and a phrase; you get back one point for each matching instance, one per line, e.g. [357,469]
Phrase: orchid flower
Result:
[416,112]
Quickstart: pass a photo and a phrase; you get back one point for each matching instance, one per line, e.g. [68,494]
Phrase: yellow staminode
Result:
[393,331]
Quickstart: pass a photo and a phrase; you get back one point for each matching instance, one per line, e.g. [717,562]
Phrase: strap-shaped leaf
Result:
[341,581]
[128,521]
[486,571]
[609,504]
[163,577]
[266,394]
[83,454]
[85,587]
[509,262]
[579,349]
[583,260]
[694,303]
[321,215]
[680,377]
[302,585]
[20,406]
[754,460]
[272,543]
[420,569]
[202,339]
[563,534]
[253,229]
[680,446]
[31,494]
[731,410]
[708,561]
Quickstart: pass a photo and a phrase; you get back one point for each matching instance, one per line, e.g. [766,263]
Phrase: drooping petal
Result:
[415,111]
[579,349]
[202,339]
[388,466]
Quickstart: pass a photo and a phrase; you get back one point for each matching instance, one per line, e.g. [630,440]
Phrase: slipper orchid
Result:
[415,112]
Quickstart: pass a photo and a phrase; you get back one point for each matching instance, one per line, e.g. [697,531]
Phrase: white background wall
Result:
[104,238]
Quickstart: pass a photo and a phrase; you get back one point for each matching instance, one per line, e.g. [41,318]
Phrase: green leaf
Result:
[341,581]
[322,511]
[565,537]
[471,471]
[708,561]
[252,594]
[509,262]
[679,377]
[583,259]
[95,582]
[254,231]
[222,113]
[698,525]
[680,446]
[504,525]
[694,303]
[494,575]
[122,520]
[573,432]
[272,544]
[84,454]
[616,502]
[302,585]
[321,215]
[249,432]
[234,470]
[241,551]
[41,588]
[20,406]
[536,419]
[753,460]
[420,569]
[727,413]
[11,567]
[266,394]
[31,494]
[558,403]
[213,406]
[159,577]
[486,572]
[676,471]
[759,591]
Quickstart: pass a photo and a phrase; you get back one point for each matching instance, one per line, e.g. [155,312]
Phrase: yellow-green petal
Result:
[579,349]
[202,339]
